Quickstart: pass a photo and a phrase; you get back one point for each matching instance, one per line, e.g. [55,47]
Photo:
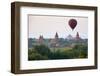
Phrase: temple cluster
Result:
[57,41]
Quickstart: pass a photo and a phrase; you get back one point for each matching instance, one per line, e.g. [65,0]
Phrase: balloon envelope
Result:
[72,23]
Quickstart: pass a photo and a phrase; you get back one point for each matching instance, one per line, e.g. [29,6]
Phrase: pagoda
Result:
[77,36]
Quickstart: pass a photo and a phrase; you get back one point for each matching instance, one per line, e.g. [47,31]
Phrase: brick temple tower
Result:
[55,41]
[77,36]
[41,39]
[56,36]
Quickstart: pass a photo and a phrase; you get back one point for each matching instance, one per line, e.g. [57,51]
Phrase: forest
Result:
[43,52]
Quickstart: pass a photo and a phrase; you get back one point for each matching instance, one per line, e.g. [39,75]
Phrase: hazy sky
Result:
[49,25]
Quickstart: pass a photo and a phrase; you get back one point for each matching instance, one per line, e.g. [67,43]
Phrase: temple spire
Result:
[41,39]
[77,36]
[56,36]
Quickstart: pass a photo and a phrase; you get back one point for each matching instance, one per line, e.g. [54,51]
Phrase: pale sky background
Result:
[49,25]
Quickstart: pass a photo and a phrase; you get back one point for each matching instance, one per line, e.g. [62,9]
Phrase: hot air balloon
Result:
[72,23]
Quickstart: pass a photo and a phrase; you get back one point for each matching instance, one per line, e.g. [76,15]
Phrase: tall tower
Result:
[55,41]
[41,39]
[56,36]
[77,36]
